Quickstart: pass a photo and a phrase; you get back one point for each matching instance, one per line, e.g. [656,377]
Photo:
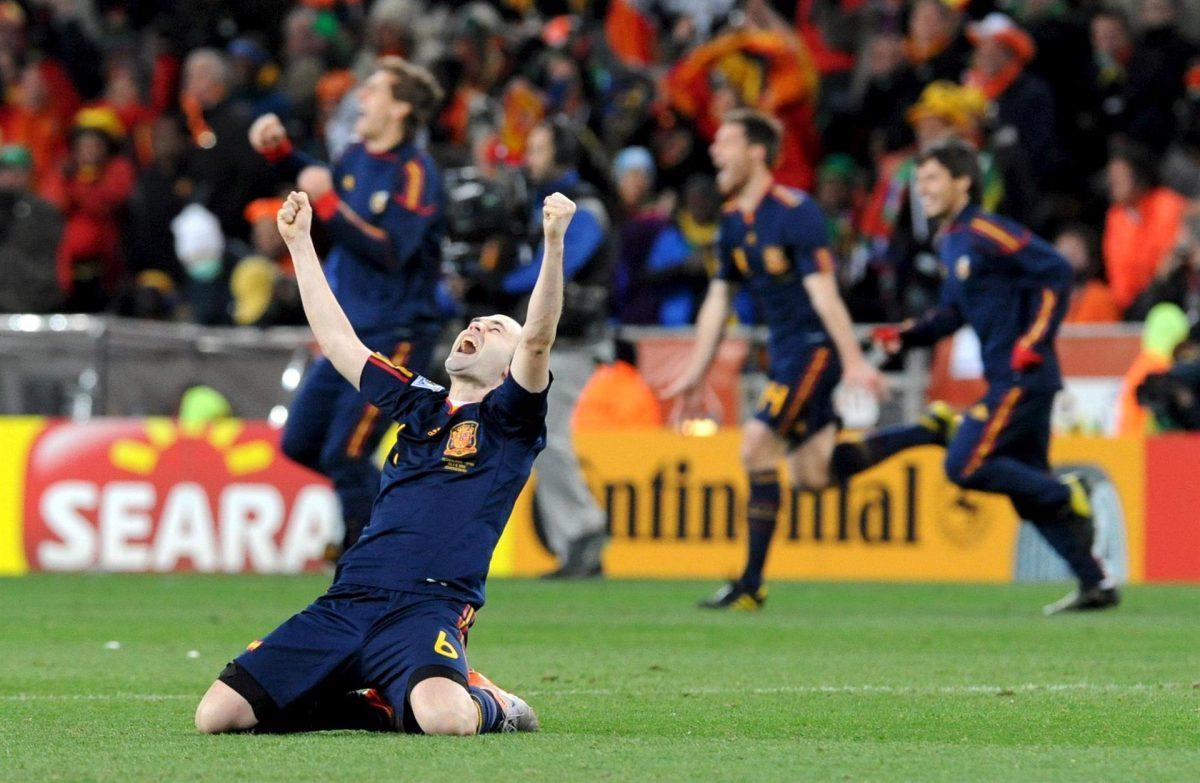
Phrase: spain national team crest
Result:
[463,440]
[963,267]
[348,182]
[379,200]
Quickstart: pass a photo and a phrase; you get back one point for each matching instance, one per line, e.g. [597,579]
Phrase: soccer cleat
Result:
[736,598]
[518,715]
[1080,519]
[941,420]
[1091,599]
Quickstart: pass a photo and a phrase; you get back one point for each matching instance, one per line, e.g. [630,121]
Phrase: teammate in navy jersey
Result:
[775,241]
[385,647]
[382,205]
[1012,288]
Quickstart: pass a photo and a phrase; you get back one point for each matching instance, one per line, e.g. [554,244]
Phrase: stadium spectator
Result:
[573,522]
[641,221]
[1141,226]
[842,196]
[1022,104]
[30,230]
[224,169]
[684,256]
[91,189]
[1177,281]
[200,248]
[1091,299]
[935,46]
[162,189]
[38,118]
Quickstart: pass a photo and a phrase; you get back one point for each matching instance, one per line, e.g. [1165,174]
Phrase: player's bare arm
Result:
[856,370]
[710,328]
[531,362]
[332,329]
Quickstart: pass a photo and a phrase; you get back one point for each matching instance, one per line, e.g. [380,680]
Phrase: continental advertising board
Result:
[148,495]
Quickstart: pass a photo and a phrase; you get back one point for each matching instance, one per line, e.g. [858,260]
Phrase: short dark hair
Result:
[760,128]
[414,85]
[960,159]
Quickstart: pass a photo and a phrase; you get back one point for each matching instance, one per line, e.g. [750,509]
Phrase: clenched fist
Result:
[557,211]
[267,134]
[295,217]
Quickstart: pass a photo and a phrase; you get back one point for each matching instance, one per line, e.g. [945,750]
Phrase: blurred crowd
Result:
[128,185]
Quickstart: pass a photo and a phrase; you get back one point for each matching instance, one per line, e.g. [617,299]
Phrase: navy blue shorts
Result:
[1008,422]
[798,400]
[360,637]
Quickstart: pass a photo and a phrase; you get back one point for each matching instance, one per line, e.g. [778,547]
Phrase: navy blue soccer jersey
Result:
[771,251]
[1010,286]
[448,486]
[385,225]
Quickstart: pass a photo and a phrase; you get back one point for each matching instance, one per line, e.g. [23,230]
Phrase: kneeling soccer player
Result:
[1013,289]
[385,647]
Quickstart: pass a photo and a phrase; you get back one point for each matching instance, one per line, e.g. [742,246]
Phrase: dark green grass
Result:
[832,682]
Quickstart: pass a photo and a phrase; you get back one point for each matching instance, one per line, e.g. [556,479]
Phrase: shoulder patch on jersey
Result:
[379,202]
[962,268]
[347,182]
[463,439]
[422,382]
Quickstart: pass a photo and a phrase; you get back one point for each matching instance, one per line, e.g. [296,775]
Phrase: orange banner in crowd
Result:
[149,495]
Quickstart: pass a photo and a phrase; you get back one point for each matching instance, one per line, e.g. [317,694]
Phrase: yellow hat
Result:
[253,286]
[960,106]
[100,118]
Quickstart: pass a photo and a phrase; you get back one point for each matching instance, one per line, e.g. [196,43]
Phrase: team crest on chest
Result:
[378,203]
[774,260]
[348,182]
[463,440]
[963,268]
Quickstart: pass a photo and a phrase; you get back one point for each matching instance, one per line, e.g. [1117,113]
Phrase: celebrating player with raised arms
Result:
[381,204]
[1013,289]
[775,240]
[385,647]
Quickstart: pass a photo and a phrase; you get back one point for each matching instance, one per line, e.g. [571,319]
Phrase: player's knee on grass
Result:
[222,710]
[442,706]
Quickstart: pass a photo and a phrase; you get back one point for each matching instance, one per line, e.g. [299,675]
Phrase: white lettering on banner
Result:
[125,507]
[309,527]
[119,526]
[250,517]
[186,530]
[60,507]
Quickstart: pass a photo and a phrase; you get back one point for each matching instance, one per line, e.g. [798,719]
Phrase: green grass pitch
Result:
[831,682]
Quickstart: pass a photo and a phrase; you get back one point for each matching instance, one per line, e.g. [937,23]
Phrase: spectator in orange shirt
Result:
[1141,226]
[617,397]
[1091,299]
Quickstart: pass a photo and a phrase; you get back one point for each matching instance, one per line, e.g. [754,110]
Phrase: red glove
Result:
[279,152]
[1025,358]
[890,338]
[326,205]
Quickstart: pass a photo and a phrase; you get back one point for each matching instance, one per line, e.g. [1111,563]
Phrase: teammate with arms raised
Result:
[395,619]
[381,204]
[775,241]
[1013,289]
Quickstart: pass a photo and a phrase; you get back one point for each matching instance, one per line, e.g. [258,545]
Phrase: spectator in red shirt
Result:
[91,189]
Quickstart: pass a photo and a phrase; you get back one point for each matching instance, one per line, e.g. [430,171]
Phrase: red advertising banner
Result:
[149,495]
[1172,499]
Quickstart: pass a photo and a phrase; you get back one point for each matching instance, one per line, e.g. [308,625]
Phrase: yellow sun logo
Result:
[141,457]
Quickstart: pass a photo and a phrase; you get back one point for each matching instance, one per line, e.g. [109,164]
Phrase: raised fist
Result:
[557,211]
[295,217]
[267,134]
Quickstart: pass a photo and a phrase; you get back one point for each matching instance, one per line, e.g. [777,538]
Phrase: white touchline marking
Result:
[98,696]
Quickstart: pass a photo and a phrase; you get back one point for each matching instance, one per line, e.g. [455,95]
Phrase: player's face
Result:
[539,154]
[380,114]
[483,351]
[941,194]
[732,156]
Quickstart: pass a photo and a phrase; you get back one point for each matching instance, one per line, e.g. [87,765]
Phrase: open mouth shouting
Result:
[468,345]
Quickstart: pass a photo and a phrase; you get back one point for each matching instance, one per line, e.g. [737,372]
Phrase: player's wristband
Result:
[326,206]
[279,152]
